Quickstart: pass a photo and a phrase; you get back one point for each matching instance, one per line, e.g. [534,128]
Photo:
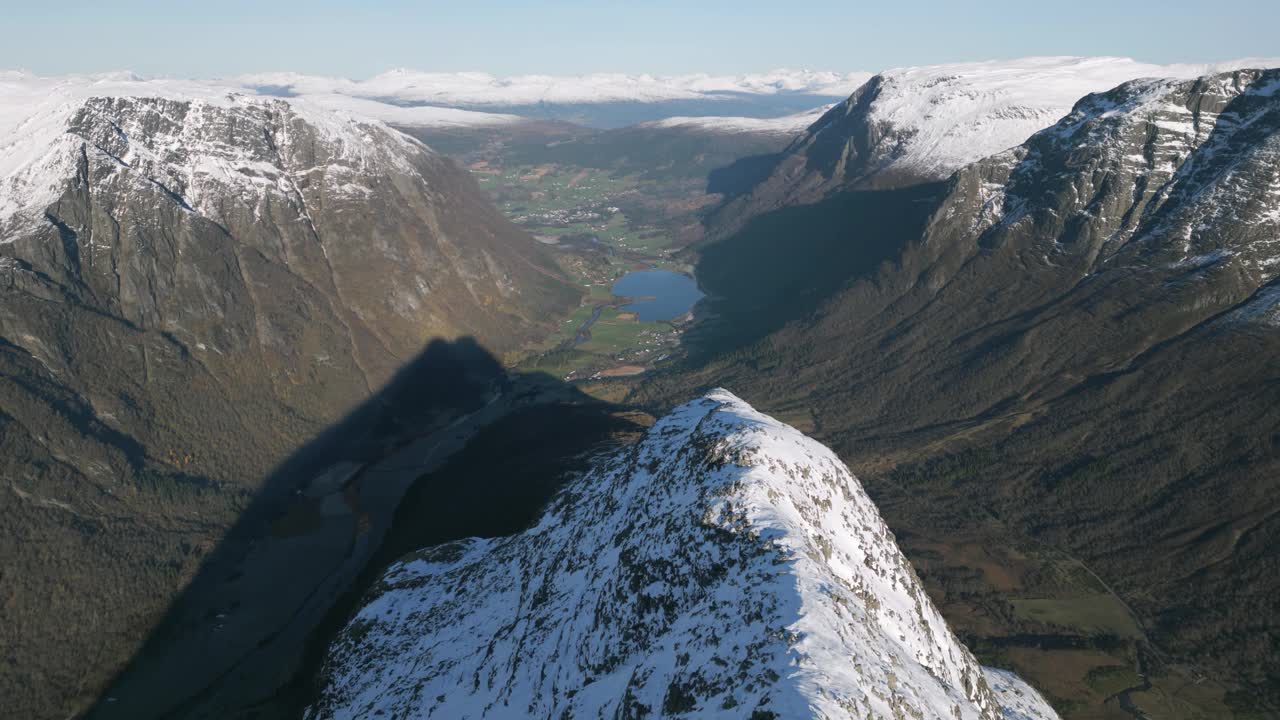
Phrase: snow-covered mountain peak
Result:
[194,140]
[942,117]
[920,124]
[725,566]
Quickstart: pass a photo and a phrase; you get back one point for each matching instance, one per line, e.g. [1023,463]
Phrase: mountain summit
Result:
[920,124]
[724,566]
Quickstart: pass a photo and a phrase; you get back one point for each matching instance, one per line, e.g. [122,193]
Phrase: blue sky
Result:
[227,37]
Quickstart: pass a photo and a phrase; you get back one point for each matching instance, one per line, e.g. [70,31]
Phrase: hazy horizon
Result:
[572,37]
[265,73]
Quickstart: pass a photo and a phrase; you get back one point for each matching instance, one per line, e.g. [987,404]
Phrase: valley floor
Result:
[600,226]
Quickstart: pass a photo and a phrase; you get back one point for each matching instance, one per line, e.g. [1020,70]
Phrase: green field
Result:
[1108,680]
[560,201]
[616,332]
[1101,613]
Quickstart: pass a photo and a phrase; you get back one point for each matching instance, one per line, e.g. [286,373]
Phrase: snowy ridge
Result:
[416,116]
[1017,699]
[725,566]
[479,89]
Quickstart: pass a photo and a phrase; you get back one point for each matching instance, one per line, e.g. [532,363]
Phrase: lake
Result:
[661,294]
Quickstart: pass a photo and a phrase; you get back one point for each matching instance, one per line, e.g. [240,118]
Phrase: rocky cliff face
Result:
[191,284]
[725,566]
[1099,304]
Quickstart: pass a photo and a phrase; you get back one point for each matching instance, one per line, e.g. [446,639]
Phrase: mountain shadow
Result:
[453,446]
[738,177]
[784,264]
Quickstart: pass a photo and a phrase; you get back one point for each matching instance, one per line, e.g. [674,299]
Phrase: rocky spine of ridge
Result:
[724,566]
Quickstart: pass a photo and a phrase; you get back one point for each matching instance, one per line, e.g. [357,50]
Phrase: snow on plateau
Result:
[479,89]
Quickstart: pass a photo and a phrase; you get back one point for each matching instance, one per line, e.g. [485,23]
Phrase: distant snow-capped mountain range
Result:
[471,88]
[1046,86]
[927,120]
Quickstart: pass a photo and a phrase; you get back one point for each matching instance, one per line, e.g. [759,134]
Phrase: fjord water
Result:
[661,294]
